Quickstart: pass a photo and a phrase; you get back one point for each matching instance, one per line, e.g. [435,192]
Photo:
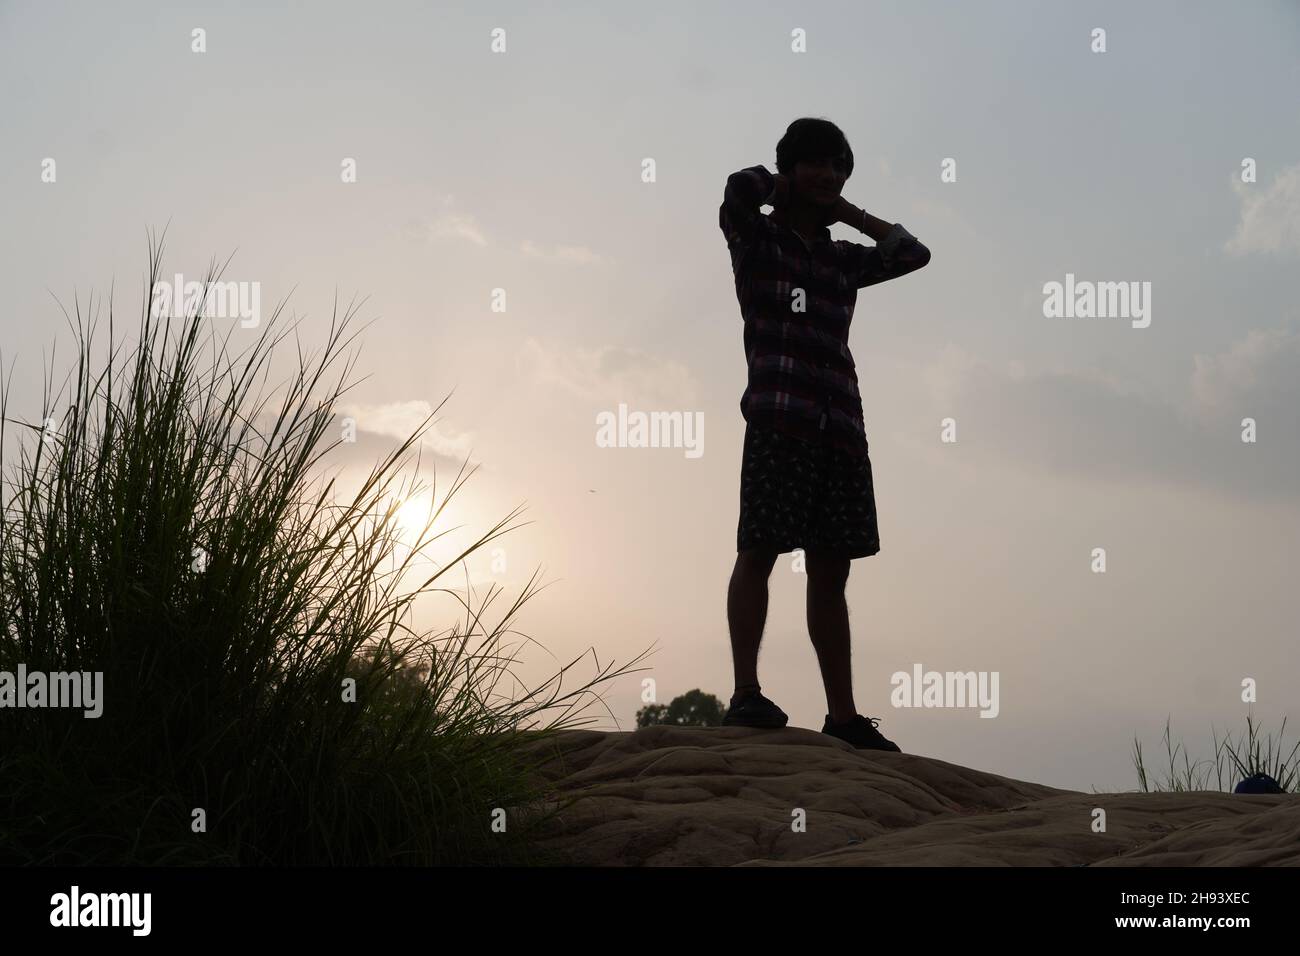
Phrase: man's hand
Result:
[780,197]
[780,190]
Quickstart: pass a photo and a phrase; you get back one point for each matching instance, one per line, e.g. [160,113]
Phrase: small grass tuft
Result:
[1231,763]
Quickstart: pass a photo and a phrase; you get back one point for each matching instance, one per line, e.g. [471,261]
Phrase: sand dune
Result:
[726,796]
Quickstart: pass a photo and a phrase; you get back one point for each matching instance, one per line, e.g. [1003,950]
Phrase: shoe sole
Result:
[888,750]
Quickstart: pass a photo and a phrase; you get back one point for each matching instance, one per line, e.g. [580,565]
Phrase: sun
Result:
[451,543]
[414,514]
[443,536]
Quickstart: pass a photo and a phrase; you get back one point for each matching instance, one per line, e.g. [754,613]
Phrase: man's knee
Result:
[756,561]
[826,569]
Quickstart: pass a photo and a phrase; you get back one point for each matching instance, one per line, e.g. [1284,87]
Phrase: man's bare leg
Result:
[747,614]
[828,627]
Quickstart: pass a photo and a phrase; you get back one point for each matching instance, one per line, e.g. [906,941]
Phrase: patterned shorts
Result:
[795,494]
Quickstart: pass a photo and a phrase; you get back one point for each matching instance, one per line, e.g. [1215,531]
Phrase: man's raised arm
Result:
[747,190]
[896,253]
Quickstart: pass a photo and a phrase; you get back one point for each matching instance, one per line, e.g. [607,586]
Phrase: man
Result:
[805,479]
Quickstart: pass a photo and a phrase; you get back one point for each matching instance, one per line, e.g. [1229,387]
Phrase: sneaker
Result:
[861,732]
[754,710]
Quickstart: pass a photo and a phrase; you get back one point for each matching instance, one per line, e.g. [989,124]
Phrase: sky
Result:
[520,268]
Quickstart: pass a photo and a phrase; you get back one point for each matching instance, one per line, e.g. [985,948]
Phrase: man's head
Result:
[815,156]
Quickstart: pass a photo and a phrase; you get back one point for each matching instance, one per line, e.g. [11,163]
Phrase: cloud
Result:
[1089,423]
[943,220]
[1270,216]
[1259,375]
[697,77]
[399,420]
[609,374]
[455,226]
[579,254]
[462,227]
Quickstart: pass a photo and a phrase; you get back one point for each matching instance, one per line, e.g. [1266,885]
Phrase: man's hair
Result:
[810,138]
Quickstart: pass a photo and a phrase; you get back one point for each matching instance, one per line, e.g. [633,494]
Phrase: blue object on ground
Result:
[1259,783]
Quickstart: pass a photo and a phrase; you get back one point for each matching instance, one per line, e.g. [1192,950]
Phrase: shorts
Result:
[798,494]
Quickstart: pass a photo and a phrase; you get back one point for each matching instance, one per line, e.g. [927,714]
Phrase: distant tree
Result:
[692,709]
[399,683]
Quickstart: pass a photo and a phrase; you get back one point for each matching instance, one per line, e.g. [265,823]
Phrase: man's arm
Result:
[746,191]
[861,220]
[896,253]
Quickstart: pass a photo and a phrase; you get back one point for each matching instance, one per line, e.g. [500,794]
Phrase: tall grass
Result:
[174,531]
[1232,762]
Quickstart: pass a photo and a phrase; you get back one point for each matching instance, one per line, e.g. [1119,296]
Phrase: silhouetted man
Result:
[805,478]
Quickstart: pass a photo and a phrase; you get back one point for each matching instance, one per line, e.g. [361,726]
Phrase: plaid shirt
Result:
[802,379]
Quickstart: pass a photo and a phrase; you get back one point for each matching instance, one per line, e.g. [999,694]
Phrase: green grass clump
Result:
[1233,761]
[173,533]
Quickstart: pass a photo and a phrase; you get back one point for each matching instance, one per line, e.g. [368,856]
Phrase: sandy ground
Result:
[733,796]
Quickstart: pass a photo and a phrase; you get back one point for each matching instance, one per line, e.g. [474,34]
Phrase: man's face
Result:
[819,182]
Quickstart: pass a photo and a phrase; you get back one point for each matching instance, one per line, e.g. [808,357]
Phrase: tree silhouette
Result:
[692,709]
